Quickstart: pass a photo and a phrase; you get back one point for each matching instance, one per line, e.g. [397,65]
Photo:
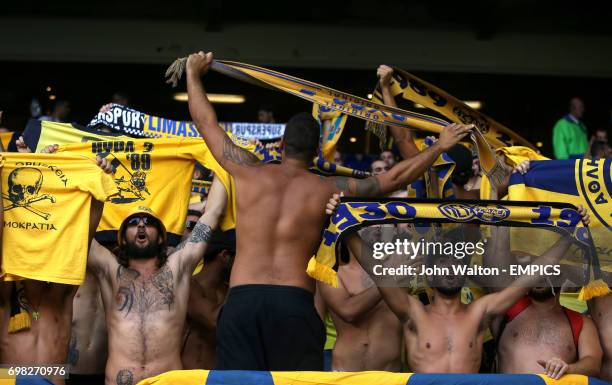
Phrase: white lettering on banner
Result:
[255,130]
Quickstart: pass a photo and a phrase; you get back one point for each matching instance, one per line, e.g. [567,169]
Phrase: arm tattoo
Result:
[368,187]
[238,155]
[201,233]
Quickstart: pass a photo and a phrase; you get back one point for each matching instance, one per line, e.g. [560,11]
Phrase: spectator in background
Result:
[60,113]
[120,98]
[207,293]
[338,158]
[388,157]
[601,135]
[569,134]
[265,114]
[599,148]
[379,167]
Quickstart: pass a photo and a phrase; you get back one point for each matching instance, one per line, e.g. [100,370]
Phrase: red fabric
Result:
[576,322]
[517,308]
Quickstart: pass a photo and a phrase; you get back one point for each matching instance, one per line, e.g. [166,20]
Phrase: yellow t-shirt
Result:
[47,200]
[155,173]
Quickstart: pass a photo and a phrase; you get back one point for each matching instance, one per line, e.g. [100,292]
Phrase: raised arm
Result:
[231,157]
[406,171]
[98,258]
[402,137]
[189,252]
[498,303]
[347,306]
[401,303]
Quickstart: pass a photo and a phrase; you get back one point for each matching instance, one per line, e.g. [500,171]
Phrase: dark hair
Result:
[302,137]
[220,241]
[162,254]
[596,147]
[463,164]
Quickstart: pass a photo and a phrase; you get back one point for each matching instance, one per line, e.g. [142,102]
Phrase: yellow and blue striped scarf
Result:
[245,377]
[355,213]
[346,103]
[419,91]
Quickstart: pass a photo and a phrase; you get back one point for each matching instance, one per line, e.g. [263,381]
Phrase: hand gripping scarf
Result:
[343,102]
[419,91]
[353,214]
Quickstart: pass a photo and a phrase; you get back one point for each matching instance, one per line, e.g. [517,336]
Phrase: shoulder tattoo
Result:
[368,187]
[237,154]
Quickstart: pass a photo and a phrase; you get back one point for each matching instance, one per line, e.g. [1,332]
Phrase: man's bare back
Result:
[368,341]
[279,224]
[279,221]
[46,341]
[88,344]
[601,309]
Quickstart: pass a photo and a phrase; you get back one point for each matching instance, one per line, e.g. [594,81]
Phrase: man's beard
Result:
[151,250]
[541,295]
[449,291]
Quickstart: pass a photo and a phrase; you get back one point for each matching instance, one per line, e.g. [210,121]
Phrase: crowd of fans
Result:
[142,310]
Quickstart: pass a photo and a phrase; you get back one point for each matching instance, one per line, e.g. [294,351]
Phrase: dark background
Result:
[528,104]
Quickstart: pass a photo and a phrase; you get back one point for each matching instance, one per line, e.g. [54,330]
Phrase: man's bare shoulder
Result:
[101,260]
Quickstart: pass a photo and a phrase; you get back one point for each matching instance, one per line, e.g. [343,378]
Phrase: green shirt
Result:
[569,138]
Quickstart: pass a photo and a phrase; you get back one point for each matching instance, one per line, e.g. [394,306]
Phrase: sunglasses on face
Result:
[148,221]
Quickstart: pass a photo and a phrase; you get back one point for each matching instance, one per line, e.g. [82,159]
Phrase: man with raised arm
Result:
[49,306]
[369,336]
[537,334]
[145,291]
[269,321]
[446,336]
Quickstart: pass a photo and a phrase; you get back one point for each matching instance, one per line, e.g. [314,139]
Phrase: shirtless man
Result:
[601,310]
[206,296]
[369,335]
[446,336]
[540,338]
[145,291]
[537,334]
[47,339]
[269,321]
[88,343]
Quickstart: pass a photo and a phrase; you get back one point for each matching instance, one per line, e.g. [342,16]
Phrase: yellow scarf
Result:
[354,213]
[343,102]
